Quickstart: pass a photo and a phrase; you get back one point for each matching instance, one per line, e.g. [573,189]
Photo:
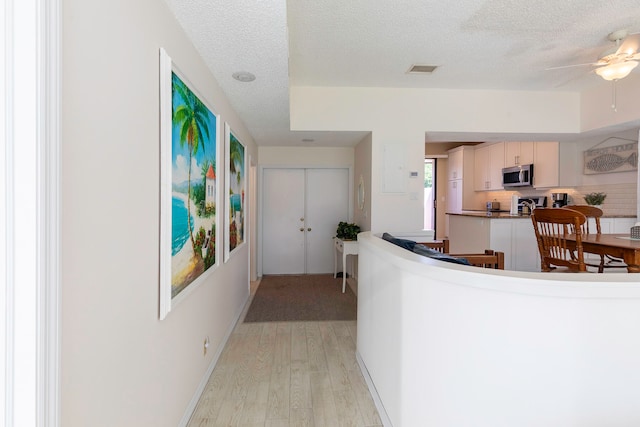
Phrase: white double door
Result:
[301,209]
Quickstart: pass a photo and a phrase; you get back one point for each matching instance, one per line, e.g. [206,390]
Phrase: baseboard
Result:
[382,413]
[191,407]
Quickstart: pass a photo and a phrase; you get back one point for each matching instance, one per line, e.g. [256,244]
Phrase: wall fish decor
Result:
[616,158]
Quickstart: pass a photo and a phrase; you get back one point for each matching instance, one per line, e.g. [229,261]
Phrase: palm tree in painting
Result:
[236,165]
[236,158]
[192,118]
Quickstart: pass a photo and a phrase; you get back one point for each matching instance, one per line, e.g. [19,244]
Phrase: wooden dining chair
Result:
[438,245]
[488,259]
[588,211]
[551,226]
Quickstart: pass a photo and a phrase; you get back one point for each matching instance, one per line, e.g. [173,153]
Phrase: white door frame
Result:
[261,196]
[253,181]
[29,213]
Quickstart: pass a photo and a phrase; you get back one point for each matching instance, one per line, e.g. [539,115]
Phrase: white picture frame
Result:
[189,252]
[235,193]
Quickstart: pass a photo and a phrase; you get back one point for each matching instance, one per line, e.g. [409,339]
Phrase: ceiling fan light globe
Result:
[616,71]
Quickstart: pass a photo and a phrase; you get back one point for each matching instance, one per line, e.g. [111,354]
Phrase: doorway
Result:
[301,208]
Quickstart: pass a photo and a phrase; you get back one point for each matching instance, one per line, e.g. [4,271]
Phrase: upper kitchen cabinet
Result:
[488,164]
[460,172]
[455,163]
[518,153]
[554,165]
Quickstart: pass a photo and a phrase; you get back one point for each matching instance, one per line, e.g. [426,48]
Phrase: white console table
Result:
[347,247]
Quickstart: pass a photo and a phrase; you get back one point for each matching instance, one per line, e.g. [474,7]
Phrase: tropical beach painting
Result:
[235,190]
[190,188]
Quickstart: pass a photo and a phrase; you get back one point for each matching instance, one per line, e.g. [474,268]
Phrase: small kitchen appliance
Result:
[517,176]
[559,199]
[525,201]
[493,206]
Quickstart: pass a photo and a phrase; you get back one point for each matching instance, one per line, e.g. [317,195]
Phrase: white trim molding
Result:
[49,100]
[30,213]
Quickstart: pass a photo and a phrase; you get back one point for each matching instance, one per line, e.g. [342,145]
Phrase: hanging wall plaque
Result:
[614,158]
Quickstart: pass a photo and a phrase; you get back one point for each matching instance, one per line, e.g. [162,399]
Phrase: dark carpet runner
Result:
[311,297]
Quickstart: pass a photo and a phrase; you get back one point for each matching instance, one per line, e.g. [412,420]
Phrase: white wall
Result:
[587,143]
[121,366]
[595,104]
[306,156]
[433,110]
[399,118]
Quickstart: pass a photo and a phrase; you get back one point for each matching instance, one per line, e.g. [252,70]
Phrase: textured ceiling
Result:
[476,44]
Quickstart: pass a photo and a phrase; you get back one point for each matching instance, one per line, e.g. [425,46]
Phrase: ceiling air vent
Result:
[421,69]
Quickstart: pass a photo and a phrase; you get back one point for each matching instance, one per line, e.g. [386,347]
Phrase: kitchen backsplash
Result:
[621,198]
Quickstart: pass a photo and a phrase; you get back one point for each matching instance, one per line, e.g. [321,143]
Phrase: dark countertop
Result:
[488,214]
[507,215]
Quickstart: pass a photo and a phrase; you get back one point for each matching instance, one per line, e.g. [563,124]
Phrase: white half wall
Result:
[449,345]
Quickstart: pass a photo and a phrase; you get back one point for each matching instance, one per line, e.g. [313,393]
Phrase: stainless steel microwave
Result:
[517,176]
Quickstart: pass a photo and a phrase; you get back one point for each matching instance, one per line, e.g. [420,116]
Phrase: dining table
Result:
[616,245]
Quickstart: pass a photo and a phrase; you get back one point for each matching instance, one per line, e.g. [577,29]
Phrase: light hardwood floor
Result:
[287,374]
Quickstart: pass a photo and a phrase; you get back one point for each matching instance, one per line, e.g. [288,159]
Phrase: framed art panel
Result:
[235,189]
[190,190]
[605,157]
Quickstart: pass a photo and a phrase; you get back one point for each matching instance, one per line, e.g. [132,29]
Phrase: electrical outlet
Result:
[205,346]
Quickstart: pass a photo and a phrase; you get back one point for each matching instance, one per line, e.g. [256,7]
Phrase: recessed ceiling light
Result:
[243,76]
[422,69]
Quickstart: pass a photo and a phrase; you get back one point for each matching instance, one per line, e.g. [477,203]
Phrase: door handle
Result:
[301,219]
[301,229]
[309,229]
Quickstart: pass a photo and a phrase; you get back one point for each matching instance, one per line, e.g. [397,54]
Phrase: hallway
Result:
[287,374]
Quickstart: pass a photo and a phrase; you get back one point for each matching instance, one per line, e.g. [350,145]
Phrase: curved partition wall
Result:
[448,345]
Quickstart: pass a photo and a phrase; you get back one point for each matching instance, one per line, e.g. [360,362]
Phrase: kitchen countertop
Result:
[507,215]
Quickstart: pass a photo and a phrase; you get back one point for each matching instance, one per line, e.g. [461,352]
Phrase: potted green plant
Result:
[595,199]
[347,231]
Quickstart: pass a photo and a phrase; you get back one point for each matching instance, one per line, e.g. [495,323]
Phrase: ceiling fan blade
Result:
[630,45]
[574,65]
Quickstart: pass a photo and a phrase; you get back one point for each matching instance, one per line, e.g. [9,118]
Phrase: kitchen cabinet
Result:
[456,163]
[546,172]
[460,194]
[516,237]
[518,153]
[454,195]
[488,164]
[614,225]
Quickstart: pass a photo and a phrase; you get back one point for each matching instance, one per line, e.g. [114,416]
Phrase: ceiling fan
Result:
[616,65]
